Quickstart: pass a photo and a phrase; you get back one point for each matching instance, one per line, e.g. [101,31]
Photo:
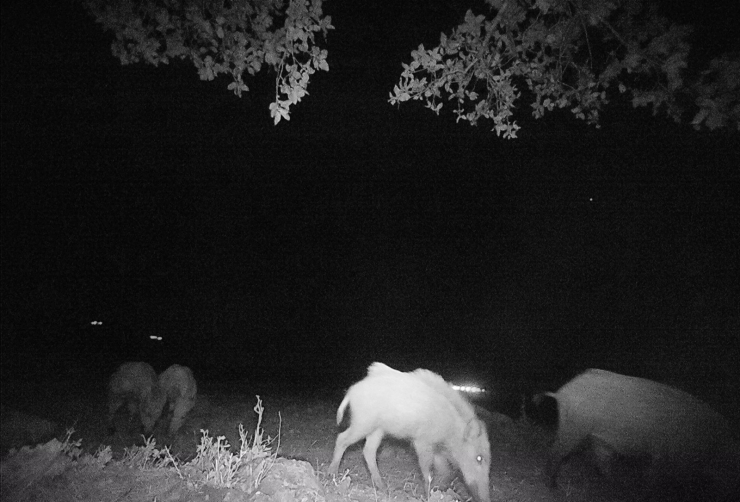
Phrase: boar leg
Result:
[182,407]
[425,454]
[371,447]
[114,404]
[562,450]
[441,468]
[344,440]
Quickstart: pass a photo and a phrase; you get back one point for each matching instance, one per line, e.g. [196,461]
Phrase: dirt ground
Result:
[306,429]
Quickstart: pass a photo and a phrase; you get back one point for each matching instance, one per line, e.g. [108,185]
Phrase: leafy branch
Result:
[567,54]
[223,37]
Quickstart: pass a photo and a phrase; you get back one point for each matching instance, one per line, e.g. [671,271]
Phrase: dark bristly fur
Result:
[676,435]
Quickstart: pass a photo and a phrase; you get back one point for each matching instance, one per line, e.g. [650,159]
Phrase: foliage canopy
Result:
[569,54]
[223,36]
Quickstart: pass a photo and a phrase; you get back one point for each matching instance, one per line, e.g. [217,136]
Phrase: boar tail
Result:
[340,411]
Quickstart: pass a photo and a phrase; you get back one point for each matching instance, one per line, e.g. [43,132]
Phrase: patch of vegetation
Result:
[60,470]
[216,465]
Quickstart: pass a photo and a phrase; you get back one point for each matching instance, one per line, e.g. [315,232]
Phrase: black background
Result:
[162,205]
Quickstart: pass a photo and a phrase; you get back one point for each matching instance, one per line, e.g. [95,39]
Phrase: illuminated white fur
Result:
[422,407]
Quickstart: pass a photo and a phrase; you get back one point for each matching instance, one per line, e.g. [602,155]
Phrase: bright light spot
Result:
[155,338]
[96,323]
[469,389]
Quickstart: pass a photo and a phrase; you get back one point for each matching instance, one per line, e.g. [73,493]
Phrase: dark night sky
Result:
[160,204]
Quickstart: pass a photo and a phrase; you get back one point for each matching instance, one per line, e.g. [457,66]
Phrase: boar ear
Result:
[473,428]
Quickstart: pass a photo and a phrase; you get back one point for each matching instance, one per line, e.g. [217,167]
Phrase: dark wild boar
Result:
[134,384]
[177,383]
[677,436]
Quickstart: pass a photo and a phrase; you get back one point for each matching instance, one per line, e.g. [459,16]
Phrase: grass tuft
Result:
[216,465]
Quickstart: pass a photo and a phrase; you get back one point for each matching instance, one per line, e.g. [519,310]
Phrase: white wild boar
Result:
[134,384]
[421,407]
[178,386]
[680,437]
